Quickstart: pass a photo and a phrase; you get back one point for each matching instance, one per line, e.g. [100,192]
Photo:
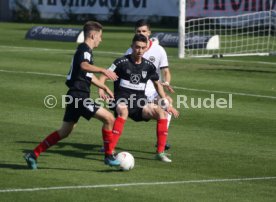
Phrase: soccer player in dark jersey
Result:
[129,91]
[78,100]
[158,56]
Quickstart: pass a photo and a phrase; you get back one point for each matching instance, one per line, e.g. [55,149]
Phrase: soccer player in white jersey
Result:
[158,56]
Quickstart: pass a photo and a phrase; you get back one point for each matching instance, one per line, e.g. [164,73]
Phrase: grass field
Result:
[218,154]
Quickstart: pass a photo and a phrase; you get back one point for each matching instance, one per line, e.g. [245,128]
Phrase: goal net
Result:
[227,28]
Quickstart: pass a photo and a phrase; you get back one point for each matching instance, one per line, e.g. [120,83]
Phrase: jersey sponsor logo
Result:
[112,67]
[135,78]
[144,74]
[152,59]
[129,85]
[87,56]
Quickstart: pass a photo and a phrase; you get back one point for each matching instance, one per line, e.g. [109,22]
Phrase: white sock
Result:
[169,117]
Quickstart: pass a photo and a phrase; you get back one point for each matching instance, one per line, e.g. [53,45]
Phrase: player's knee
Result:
[65,130]
[124,113]
[159,113]
[109,119]
[122,110]
[63,133]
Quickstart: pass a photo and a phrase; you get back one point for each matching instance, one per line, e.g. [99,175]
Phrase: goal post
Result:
[251,31]
[181,28]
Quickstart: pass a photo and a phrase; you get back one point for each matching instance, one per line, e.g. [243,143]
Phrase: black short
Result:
[80,108]
[134,112]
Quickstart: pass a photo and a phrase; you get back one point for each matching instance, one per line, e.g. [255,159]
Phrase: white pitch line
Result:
[20,48]
[34,73]
[225,92]
[235,61]
[135,184]
[176,87]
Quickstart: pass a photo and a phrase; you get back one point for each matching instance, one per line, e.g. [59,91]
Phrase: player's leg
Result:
[108,121]
[122,115]
[152,111]
[153,96]
[169,116]
[71,117]
[50,140]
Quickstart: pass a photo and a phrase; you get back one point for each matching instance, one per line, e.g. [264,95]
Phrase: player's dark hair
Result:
[139,37]
[91,26]
[141,23]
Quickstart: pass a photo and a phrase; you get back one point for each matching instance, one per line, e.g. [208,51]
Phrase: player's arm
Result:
[102,79]
[95,81]
[94,69]
[101,92]
[166,74]
[165,102]
[165,71]
[159,88]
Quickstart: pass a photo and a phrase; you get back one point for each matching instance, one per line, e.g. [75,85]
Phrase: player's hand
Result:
[173,111]
[111,75]
[168,87]
[110,94]
[103,95]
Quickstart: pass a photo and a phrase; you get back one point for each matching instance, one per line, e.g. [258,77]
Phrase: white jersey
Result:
[158,56]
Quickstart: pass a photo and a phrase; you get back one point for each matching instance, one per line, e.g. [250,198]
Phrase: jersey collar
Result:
[150,44]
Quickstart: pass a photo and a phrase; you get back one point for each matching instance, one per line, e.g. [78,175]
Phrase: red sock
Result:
[162,133]
[49,141]
[117,130]
[107,139]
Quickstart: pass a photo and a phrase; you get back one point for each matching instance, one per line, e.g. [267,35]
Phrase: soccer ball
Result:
[126,161]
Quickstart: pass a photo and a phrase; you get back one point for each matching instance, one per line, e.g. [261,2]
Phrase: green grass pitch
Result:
[218,154]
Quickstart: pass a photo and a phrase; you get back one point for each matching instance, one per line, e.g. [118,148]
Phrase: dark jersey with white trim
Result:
[132,77]
[78,80]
